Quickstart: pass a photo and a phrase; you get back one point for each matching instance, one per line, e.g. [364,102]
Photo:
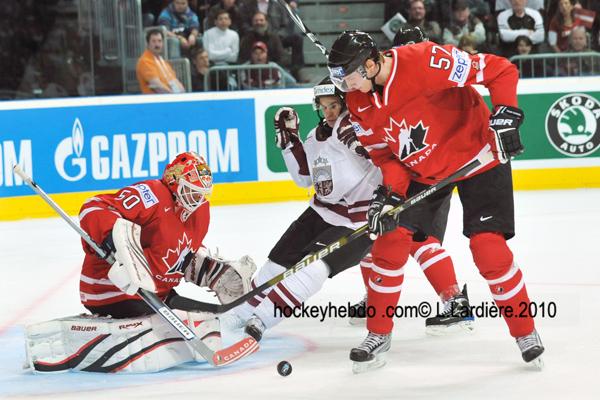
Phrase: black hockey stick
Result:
[220,357]
[184,303]
[307,32]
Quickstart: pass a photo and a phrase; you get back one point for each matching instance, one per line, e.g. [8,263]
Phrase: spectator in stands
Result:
[267,77]
[502,5]
[463,24]
[519,21]
[468,43]
[234,13]
[530,68]
[260,33]
[561,25]
[154,74]
[222,43]
[279,24]
[578,66]
[181,22]
[416,17]
[201,68]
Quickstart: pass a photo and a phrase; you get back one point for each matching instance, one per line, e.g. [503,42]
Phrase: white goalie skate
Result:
[371,353]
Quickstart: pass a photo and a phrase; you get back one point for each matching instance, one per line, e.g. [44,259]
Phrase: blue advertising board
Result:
[87,148]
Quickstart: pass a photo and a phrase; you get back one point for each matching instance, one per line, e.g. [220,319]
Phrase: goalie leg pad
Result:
[102,344]
[208,328]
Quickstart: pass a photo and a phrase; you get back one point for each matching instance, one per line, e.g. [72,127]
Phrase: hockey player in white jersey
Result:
[332,160]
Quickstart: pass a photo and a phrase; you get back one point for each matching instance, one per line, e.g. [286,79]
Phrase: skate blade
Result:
[366,366]
[357,321]
[537,364]
[442,330]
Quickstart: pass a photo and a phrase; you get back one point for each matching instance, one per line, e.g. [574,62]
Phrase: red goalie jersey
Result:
[166,237]
[428,117]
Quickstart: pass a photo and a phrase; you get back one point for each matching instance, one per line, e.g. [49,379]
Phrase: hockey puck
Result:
[284,368]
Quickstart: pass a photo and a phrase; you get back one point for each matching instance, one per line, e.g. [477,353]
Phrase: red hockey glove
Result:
[347,135]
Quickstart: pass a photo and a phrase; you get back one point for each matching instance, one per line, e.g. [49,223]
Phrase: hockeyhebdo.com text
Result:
[424,309]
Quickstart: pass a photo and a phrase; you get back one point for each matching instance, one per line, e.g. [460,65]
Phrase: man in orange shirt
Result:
[154,73]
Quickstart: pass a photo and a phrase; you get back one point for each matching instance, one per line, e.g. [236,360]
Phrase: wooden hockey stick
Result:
[224,356]
[184,303]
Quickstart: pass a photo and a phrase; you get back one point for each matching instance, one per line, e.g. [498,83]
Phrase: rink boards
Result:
[78,147]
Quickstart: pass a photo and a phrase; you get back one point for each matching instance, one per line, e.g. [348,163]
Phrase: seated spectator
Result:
[502,5]
[260,33]
[530,68]
[154,74]
[463,24]
[578,66]
[181,22]
[234,13]
[468,43]
[519,21]
[264,78]
[416,17]
[221,43]
[279,24]
[392,7]
[200,69]
[561,25]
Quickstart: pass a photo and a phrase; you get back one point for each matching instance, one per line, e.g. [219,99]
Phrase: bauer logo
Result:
[573,125]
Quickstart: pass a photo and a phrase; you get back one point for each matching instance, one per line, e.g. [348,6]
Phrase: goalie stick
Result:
[184,303]
[217,358]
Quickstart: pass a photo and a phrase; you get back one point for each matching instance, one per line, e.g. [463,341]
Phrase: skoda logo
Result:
[573,125]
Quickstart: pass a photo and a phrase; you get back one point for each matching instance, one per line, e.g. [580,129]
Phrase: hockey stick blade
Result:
[184,303]
[220,357]
[300,24]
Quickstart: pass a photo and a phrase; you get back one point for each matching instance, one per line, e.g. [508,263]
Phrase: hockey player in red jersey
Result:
[418,116]
[332,161]
[166,220]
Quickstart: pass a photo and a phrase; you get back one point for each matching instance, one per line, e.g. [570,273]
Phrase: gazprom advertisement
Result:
[71,149]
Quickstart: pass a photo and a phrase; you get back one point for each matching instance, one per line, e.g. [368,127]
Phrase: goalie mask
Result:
[189,178]
[346,60]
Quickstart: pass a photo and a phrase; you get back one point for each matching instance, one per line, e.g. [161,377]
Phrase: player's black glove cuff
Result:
[378,220]
[108,245]
[505,123]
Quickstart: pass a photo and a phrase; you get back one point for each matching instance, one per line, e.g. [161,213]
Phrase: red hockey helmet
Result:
[189,179]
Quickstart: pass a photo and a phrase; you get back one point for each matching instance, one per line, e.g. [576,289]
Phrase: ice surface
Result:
[557,246]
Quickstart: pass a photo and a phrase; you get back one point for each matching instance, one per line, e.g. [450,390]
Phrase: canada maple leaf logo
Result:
[174,260]
[410,139]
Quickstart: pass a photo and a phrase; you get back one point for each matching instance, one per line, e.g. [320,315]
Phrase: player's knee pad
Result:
[491,254]
[102,344]
[428,252]
[392,249]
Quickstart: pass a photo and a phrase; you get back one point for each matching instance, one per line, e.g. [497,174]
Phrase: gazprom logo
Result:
[68,153]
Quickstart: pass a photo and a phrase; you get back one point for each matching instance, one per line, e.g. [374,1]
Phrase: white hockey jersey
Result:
[344,181]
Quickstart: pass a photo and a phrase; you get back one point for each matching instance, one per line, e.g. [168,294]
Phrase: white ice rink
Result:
[557,246]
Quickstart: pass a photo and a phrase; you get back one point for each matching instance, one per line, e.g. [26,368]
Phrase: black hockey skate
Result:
[358,312]
[370,354]
[255,328]
[531,349]
[457,316]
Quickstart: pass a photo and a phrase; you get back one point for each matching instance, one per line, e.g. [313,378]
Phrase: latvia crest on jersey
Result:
[322,177]
[410,139]
[174,259]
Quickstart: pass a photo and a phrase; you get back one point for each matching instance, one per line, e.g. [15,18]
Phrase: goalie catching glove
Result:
[287,124]
[379,221]
[505,123]
[130,271]
[229,279]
